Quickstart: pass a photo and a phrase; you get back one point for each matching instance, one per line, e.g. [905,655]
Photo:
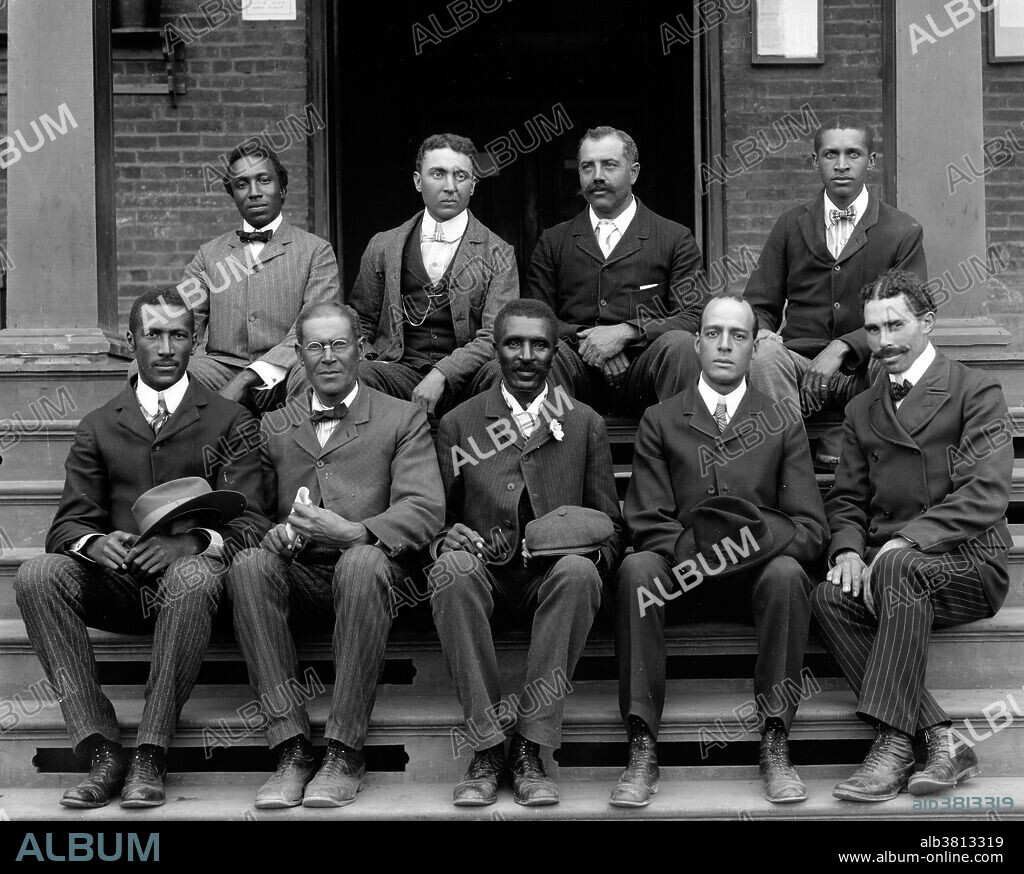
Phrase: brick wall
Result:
[765,101]
[243,78]
[1003,106]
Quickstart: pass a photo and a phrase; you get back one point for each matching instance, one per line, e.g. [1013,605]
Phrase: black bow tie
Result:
[899,390]
[255,236]
[338,411]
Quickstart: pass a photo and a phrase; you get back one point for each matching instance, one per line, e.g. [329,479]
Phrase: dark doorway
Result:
[524,81]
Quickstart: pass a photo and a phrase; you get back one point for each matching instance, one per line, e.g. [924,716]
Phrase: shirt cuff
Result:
[215,543]
[78,547]
[271,374]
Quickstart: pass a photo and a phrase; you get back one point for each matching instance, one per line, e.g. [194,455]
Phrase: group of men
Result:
[325,510]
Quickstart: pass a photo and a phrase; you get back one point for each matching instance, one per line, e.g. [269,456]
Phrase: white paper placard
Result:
[269,10]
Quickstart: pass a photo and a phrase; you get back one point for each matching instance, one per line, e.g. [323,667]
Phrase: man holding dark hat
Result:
[163,485]
[521,462]
[727,521]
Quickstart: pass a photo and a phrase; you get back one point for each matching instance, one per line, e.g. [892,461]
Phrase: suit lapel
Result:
[859,238]
[696,412]
[584,234]
[347,429]
[187,413]
[465,256]
[393,250]
[496,408]
[302,429]
[129,414]
[882,415]
[812,228]
[927,397]
[282,239]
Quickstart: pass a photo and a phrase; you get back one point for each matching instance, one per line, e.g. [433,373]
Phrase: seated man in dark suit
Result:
[626,284]
[247,286]
[812,267]
[700,443]
[428,291]
[507,460]
[99,571]
[919,536]
[368,467]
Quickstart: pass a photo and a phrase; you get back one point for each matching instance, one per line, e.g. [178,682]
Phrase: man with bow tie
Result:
[812,350]
[428,290]
[369,469]
[98,571]
[248,285]
[919,536]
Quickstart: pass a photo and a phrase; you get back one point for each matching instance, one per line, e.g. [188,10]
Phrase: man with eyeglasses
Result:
[355,482]
[428,290]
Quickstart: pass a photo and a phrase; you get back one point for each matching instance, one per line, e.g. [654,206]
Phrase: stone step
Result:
[429,731]
[382,798]
[39,388]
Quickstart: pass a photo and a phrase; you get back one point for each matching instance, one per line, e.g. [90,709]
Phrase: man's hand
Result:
[817,377]
[325,528]
[240,385]
[429,391]
[463,537]
[151,558]
[111,550]
[765,334]
[276,540]
[600,343]
[614,370]
[850,572]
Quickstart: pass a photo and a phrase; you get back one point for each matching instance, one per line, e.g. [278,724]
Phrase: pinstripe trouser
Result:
[59,596]
[884,657]
[353,596]
[399,379]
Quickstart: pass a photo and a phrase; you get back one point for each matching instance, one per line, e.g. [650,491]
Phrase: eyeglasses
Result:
[316,348]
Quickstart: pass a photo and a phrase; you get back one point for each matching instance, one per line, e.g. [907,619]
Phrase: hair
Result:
[462,145]
[846,122]
[525,308]
[729,295]
[158,305]
[324,308]
[629,148]
[257,151]
[895,282]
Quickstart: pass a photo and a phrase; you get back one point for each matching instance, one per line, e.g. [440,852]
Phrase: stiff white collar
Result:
[452,229]
[149,397]
[711,396]
[273,226]
[916,370]
[621,221]
[860,202]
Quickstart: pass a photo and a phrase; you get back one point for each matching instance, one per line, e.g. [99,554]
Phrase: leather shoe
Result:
[106,776]
[945,767]
[782,784]
[639,782]
[884,771]
[531,786]
[144,785]
[339,779]
[480,785]
[296,766]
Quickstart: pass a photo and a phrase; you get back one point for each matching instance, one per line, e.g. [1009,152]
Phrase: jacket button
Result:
[874,456]
[511,487]
[319,464]
[156,448]
[603,302]
[917,452]
[711,490]
[836,305]
[922,509]
[252,318]
[837,267]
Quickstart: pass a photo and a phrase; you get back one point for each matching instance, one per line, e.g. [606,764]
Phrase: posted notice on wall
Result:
[269,10]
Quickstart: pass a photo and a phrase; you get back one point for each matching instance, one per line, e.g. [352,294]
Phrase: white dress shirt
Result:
[620,222]
[271,374]
[527,419]
[838,235]
[711,396]
[916,370]
[438,253]
[325,427]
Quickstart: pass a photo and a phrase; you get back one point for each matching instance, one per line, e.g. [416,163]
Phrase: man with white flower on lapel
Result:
[518,452]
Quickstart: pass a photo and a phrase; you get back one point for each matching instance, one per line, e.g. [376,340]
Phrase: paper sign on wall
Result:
[269,10]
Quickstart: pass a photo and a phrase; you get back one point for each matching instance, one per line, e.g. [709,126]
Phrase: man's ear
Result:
[361,348]
[130,339]
[416,180]
[871,161]
[634,172]
[929,322]
[814,161]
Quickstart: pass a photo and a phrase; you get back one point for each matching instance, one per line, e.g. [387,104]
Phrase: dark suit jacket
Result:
[822,292]
[680,459]
[931,475]
[377,468]
[115,458]
[483,278]
[244,316]
[569,272]
[575,471]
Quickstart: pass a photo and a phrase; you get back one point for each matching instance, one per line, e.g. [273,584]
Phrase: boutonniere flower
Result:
[556,429]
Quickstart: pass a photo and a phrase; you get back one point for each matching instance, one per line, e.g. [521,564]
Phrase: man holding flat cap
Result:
[724,526]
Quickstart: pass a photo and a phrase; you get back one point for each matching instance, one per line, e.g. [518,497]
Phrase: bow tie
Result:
[836,215]
[338,411]
[436,237]
[899,390]
[255,236]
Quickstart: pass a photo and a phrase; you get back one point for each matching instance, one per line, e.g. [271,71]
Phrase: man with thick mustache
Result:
[919,536]
[812,349]
[626,284]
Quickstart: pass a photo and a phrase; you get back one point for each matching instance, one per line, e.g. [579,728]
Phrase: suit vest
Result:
[429,329]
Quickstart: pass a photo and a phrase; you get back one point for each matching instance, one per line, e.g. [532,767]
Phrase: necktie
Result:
[899,390]
[437,236]
[162,414]
[837,215]
[338,411]
[607,236]
[721,415]
[255,236]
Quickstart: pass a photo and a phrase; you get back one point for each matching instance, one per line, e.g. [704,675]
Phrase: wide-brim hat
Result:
[730,535]
[168,501]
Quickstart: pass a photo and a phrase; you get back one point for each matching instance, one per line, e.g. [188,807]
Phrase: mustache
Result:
[890,350]
[593,189]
